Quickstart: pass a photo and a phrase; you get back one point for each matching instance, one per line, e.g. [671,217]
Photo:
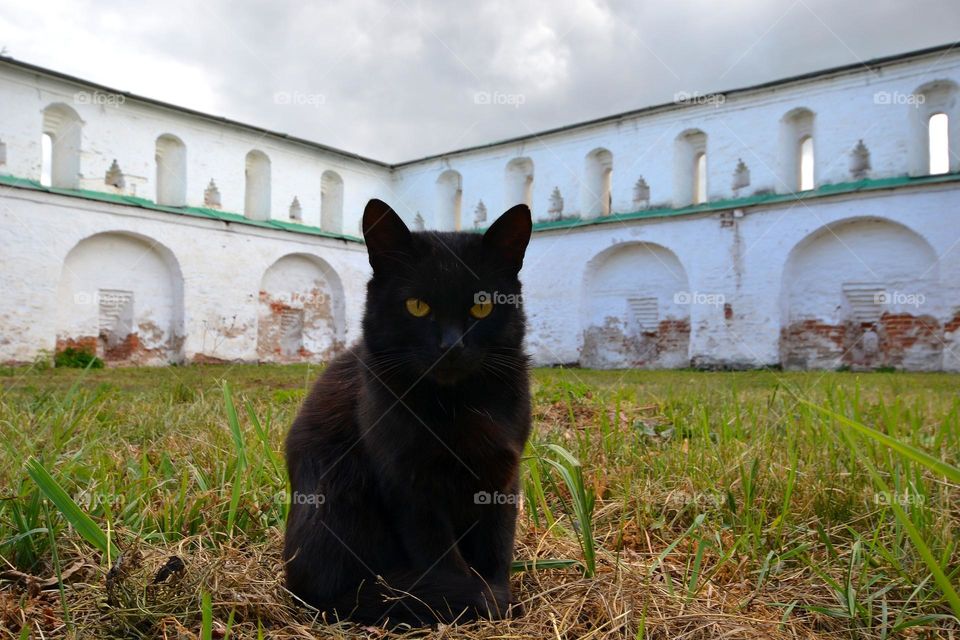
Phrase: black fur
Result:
[404,434]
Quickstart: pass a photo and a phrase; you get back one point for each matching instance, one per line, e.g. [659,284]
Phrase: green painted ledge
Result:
[195,212]
[755,200]
[823,191]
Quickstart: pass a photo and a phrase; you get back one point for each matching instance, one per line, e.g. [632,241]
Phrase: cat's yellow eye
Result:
[481,309]
[417,307]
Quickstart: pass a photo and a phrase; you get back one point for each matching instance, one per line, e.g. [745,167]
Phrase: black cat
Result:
[404,459]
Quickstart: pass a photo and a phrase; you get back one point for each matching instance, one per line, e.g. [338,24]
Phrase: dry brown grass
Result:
[246,585]
[659,450]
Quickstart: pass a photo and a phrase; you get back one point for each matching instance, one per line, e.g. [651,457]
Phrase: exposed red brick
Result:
[887,343]
[952,324]
[673,335]
[85,343]
[317,314]
[613,345]
[126,349]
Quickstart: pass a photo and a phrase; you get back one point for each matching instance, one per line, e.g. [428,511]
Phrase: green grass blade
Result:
[520,566]
[673,545]
[572,474]
[234,422]
[949,593]
[206,612]
[80,521]
[264,438]
[908,451]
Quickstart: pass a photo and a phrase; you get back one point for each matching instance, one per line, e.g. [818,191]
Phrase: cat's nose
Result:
[451,340]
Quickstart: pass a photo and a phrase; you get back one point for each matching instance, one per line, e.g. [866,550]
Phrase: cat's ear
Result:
[508,236]
[387,237]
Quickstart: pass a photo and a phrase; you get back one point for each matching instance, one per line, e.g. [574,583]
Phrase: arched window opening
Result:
[935,144]
[938,131]
[519,182]
[700,178]
[60,147]
[805,179]
[331,202]
[171,158]
[597,186]
[256,203]
[449,201]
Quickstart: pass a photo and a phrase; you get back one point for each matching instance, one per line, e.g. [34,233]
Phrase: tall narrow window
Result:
[46,159]
[796,151]
[805,179]
[171,158]
[60,146]
[939,143]
[449,201]
[331,202]
[690,168]
[934,114]
[597,184]
[256,204]
[700,178]
[519,182]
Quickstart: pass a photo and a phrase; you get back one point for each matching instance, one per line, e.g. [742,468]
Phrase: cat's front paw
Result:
[515,608]
[504,604]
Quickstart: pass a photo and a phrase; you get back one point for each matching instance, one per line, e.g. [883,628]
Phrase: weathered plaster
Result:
[769,281]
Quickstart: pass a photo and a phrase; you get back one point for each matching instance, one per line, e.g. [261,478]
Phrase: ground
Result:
[730,505]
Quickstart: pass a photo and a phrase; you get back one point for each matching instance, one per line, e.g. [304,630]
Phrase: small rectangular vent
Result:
[291,331]
[865,300]
[645,313]
[115,314]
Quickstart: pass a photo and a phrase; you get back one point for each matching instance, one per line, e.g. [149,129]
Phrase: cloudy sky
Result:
[399,79]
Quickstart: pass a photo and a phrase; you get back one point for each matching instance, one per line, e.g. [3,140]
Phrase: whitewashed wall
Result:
[769,285]
[222,266]
[745,266]
[876,107]
[126,130]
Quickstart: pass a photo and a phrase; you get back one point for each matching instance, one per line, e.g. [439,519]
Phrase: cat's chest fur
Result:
[452,442]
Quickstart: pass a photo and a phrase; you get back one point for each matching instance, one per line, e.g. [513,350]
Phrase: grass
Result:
[150,503]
